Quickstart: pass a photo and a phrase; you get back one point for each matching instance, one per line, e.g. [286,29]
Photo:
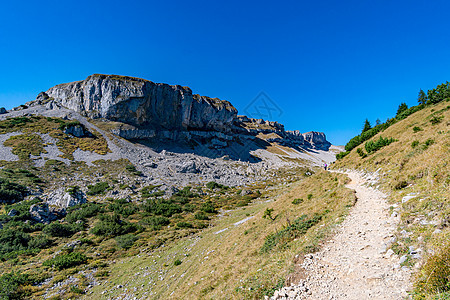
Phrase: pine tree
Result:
[401,108]
[377,122]
[422,98]
[367,126]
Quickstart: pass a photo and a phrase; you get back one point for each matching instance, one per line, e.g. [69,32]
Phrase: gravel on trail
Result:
[355,263]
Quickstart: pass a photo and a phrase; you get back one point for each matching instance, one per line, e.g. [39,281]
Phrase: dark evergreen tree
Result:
[422,98]
[377,122]
[401,108]
[367,126]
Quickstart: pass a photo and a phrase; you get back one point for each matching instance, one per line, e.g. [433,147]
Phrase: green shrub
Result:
[201,216]
[214,185]
[132,169]
[297,201]
[11,192]
[177,262]
[436,120]
[122,207]
[428,143]
[161,207]
[64,261]
[57,229]
[208,207]
[39,241]
[373,146]
[341,155]
[414,144]
[126,241]
[155,222]
[361,152]
[184,225]
[309,196]
[417,129]
[10,285]
[290,232]
[83,211]
[112,225]
[98,188]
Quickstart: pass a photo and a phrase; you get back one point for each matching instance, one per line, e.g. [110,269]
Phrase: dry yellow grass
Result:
[417,164]
[228,264]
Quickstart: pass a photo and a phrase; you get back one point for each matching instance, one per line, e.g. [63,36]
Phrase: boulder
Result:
[77,130]
[3,111]
[187,167]
[43,213]
[65,198]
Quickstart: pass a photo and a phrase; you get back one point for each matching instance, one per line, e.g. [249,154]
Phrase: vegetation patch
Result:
[299,227]
[64,261]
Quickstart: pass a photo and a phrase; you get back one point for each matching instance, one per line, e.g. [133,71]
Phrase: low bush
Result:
[64,261]
[57,229]
[184,225]
[201,216]
[177,262]
[126,241]
[214,185]
[11,192]
[111,226]
[361,152]
[208,207]
[414,144]
[10,285]
[155,222]
[98,188]
[373,146]
[164,208]
[297,201]
[417,129]
[83,211]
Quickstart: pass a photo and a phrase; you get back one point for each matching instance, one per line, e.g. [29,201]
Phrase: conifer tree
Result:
[422,98]
[367,126]
[401,108]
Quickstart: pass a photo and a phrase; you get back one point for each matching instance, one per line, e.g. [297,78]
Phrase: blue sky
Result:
[325,65]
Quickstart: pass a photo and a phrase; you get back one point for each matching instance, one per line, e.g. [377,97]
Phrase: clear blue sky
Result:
[327,65]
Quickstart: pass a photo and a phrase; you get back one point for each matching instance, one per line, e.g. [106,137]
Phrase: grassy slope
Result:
[229,264]
[423,170]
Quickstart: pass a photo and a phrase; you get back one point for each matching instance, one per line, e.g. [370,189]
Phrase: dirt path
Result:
[354,264]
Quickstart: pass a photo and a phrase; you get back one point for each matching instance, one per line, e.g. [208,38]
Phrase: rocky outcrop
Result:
[43,213]
[317,140]
[3,111]
[147,110]
[66,198]
[144,104]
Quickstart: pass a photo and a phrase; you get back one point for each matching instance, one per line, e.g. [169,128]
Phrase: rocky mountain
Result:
[147,110]
[96,170]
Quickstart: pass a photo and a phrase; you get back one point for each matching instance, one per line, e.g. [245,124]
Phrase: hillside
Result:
[414,171]
[99,201]
[88,180]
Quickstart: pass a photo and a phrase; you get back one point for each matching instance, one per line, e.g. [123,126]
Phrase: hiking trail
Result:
[354,264]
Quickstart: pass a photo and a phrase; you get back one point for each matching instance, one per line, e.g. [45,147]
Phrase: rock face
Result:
[317,140]
[148,110]
[43,213]
[143,103]
[63,199]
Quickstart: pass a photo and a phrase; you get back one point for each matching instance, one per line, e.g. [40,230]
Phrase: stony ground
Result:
[355,263]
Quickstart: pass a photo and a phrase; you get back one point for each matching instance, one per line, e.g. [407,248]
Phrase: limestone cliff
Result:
[144,104]
[148,110]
